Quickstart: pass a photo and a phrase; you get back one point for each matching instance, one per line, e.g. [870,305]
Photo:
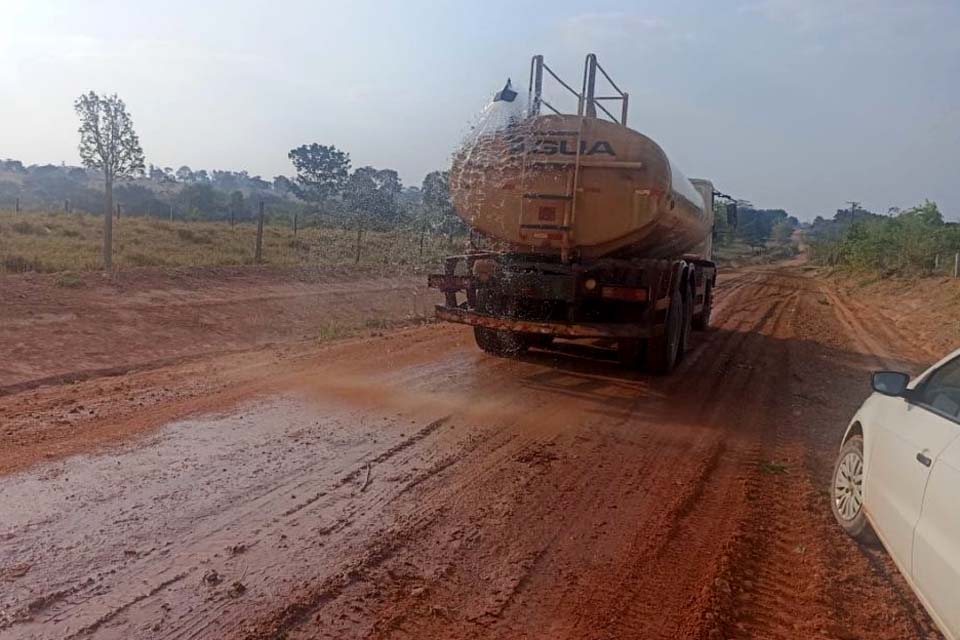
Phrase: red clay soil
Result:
[56,328]
[409,486]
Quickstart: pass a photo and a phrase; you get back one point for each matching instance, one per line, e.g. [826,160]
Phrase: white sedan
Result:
[899,469]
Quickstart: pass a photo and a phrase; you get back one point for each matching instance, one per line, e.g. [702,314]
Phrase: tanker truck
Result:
[591,232]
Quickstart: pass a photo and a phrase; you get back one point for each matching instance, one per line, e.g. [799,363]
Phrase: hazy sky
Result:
[800,104]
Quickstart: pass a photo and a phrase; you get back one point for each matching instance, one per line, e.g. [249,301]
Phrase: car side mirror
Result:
[890,383]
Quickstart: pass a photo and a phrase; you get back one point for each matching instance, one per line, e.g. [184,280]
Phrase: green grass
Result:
[44,242]
[773,468]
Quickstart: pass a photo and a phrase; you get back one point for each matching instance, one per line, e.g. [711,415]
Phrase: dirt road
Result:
[409,486]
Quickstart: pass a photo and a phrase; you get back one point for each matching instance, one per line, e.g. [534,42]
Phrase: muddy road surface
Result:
[410,486]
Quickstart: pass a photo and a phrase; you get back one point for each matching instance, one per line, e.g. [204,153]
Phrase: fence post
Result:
[17,206]
[118,211]
[171,213]
[423,232]
[294,225]
[359,236]
[66,206]
[258,255]
[936,262]
[956,264]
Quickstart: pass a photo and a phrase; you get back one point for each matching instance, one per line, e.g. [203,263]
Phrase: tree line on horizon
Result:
[221,195]
[325,190]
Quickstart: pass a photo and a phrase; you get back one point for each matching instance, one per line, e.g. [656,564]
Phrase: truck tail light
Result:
[627,294]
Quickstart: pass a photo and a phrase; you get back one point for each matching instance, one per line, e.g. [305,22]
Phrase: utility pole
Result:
[854,205]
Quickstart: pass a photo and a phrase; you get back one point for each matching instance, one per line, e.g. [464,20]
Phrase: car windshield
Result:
[378,320]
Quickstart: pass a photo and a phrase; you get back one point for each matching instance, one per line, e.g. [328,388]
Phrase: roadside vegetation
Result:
[913,242]
[48,242]
[760,235]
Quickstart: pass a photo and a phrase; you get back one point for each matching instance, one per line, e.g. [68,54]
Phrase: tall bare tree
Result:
[108,143]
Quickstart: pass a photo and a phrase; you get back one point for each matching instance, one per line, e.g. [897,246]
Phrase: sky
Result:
[794,104]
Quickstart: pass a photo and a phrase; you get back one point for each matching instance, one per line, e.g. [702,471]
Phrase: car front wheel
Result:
[846,490]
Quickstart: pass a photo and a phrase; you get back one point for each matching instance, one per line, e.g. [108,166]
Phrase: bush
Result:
[189,235]
[25,228]
[137,259]
[18,264]
[69,280]
[905,244]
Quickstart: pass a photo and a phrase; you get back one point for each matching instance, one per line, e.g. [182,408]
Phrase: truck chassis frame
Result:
[515,301]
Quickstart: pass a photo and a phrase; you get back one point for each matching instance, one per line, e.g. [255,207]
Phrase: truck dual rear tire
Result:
[501,342]
[663,351]
[487,340]
[701,321]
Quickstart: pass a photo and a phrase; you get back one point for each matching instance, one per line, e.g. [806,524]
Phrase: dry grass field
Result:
[45,242]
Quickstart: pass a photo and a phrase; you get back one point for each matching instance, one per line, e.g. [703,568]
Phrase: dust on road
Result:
[411,486]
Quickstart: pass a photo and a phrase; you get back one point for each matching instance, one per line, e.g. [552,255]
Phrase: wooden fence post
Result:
[17,206]
[423,232]
[359,236]
[258,255]
[171,213]
[66,206]
[118,211]
[956,264]
[936,262]
[294,225]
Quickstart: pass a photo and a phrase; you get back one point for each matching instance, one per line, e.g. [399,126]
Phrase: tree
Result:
[14,166]
[184,174]
[321,170]
[108,143]
[237,205]
[782,232]
[201,200]
[284,185]
[441,216]
[373,192]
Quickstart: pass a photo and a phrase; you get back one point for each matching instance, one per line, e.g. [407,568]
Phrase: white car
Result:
[899,469]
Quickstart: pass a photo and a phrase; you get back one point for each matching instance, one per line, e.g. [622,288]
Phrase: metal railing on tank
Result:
[587,101]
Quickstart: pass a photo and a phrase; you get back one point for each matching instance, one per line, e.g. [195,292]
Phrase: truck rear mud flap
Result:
[558,329]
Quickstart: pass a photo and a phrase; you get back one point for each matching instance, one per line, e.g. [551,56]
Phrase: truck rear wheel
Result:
[500,342]
[513,343]
[662,351]
[687,323]
[487,340]
[701,321]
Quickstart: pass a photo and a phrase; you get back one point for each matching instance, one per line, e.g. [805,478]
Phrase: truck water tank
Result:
[561,183]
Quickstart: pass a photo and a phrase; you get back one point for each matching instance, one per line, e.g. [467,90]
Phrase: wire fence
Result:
[64,240]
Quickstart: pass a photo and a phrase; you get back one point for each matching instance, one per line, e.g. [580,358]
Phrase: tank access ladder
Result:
[542,193]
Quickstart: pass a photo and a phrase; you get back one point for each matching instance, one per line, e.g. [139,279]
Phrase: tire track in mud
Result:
[677,601]
[635,601]
[661,540]
[95,602]
[791,574]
